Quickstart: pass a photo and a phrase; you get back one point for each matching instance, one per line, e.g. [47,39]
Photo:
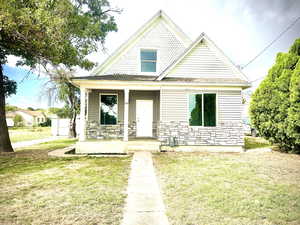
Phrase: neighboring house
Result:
[31,118]
[10,119]
[160,84]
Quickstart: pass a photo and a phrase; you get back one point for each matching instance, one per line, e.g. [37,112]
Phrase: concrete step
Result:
[143,146]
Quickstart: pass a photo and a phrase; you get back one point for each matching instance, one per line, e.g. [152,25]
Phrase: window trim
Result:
[217,108]
[140,61]
[116,94]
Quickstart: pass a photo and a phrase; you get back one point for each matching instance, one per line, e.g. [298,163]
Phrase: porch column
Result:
[126,109]
[82,114]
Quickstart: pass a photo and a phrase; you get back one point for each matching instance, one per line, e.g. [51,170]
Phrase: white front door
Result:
[144,118]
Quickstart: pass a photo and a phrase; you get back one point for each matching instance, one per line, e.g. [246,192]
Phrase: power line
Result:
[279,36]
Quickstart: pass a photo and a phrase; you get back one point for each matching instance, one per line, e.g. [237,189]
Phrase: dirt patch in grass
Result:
[230,189]
[36,189]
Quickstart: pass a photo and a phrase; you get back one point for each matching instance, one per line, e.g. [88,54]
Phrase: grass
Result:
[36,189]
[28,133]
[49,146]
[215,189]
[256,142]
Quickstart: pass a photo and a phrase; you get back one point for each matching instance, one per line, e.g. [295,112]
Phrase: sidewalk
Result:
[144,204]
[22,144]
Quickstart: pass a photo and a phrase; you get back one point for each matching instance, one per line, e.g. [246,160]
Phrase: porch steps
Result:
[149,146]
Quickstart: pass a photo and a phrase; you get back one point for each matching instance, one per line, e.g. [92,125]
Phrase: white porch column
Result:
[82,136]
[126,110]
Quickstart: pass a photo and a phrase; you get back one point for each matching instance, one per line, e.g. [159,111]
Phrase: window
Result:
[148,60]
[202,110]
[109,109]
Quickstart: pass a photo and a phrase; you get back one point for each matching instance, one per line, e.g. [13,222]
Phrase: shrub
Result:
[275,105]
[18,121]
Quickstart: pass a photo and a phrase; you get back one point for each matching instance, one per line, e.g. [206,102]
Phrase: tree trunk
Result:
[5,144]
[72,131]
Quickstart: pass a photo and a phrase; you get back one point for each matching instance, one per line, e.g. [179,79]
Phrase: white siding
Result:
[174,105]
[230,105]
[202,62]
[157,37]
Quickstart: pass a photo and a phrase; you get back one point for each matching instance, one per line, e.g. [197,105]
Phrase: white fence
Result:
[60,127]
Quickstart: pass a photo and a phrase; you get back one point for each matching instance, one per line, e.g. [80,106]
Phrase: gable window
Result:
[108,109]
[202,110]
[148,60]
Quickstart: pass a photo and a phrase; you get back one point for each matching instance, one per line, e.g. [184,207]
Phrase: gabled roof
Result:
[186,41]
[214,48]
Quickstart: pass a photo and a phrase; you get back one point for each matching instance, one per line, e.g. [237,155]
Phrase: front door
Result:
[144,118]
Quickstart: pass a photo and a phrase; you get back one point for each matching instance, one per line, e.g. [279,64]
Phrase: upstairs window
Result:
[148,60]
[202,110]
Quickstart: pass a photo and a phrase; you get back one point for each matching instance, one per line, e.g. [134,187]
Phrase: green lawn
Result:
[231,189]
[36,189]
[29,133]
[256,142]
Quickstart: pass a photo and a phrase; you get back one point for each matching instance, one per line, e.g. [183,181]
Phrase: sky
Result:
[241,28]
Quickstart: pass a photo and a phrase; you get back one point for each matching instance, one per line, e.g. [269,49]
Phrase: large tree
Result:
[61,87]
[275,105]
[43,32]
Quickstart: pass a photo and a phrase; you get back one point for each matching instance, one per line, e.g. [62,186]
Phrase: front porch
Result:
[114,120]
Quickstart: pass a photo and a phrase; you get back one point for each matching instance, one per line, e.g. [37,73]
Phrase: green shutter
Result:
[209,110]
[195,109]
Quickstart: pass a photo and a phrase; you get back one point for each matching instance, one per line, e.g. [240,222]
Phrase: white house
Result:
[162,86]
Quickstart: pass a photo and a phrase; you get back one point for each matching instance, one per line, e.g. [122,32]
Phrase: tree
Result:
[44,32]
[275,105]
[66,92]
[18,121]
[30,108]
[11,108]
[60,112]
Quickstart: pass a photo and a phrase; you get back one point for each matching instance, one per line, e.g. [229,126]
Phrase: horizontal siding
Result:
[93,105]
[202,62]
[158,37]
[230,105]
[174,105]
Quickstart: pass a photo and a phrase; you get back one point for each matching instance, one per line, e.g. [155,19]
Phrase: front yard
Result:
[231,189]
[36,189]
[28,133]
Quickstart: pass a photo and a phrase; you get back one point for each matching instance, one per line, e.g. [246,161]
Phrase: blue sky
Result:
[241,28]
[29,88]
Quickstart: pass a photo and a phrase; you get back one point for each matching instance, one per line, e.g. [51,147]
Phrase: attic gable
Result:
[159,33]
[203,59]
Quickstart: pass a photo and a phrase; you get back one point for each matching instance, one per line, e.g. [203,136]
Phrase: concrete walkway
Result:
[22,144]
[144,204]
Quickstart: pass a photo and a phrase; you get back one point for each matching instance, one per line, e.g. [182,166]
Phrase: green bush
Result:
[18,121]
[275,105]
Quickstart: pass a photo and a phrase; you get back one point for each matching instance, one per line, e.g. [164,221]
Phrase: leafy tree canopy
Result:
[275,105]
[10,108]
[10,86]
[56,31]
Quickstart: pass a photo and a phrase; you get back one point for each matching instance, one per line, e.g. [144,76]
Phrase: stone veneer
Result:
[227,133]
[96,131]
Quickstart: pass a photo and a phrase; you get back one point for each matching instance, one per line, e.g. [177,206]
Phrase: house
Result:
[10,119]
[185,95]
[31,118]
